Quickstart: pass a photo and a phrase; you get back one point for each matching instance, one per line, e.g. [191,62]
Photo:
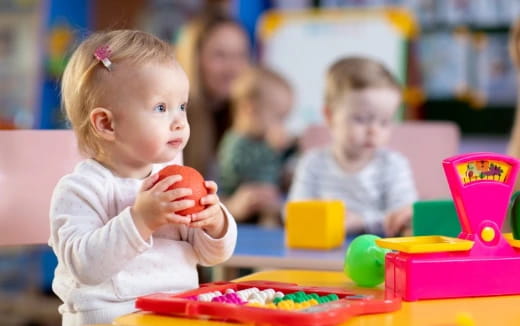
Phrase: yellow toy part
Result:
[511,240]
[425,244]
[315,224]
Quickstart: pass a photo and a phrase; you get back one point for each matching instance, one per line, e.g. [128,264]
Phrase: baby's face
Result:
[272,109]
[148,103]
[362,121]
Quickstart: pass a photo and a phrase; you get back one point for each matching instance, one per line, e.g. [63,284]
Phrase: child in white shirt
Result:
[376,184]
[113,226]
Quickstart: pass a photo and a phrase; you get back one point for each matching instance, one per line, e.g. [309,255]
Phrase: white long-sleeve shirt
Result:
[384,185]
[104,263]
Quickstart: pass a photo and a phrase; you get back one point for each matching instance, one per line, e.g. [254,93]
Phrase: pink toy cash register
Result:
[481,261]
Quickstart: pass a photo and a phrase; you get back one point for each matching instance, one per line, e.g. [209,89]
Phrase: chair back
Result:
[426,144]
[31,163]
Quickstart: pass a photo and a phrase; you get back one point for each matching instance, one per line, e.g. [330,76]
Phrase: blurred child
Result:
[361,99]
[113,227]
[250,155]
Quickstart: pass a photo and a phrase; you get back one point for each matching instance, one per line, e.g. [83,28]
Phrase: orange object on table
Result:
[191,178]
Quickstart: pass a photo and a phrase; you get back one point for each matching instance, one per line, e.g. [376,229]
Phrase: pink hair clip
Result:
[102,53]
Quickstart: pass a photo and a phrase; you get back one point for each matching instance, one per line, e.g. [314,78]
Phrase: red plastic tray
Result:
[331,313]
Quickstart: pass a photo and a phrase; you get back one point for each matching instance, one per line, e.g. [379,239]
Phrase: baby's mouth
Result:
[175,142]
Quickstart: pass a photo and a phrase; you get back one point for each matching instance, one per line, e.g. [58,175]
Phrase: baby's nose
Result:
[178,123]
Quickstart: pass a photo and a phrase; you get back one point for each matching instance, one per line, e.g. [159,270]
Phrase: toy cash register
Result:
[481,261]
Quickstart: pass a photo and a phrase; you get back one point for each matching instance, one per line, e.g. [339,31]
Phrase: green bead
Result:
[333,297]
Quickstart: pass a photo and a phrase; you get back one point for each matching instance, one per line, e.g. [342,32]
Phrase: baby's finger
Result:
[389,231]
[211,186]
[149,182]
[209,200]
[206,213]
[401,224]
[200,223]
[395,225]
[178,219]
[173,194]
[179,205]
[167,182]
[386,225]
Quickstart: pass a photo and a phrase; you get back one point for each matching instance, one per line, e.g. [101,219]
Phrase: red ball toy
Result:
[191,178]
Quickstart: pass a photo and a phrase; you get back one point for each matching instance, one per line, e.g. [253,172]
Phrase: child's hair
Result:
[250,84]
[356,73]
[83,78]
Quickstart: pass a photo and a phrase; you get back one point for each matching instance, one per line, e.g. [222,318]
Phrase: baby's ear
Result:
[102,122]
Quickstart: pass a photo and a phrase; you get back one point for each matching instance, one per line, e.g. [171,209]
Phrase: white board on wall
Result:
[301,46]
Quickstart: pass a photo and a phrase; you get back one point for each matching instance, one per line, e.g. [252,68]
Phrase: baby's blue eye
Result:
[160,108]
[360,119]
[183,107]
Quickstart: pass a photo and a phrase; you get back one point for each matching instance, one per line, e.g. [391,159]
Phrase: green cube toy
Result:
[435,217]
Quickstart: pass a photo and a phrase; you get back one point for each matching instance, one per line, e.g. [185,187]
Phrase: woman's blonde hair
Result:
[355,73]
[192,39]
[82,86]
[204,113]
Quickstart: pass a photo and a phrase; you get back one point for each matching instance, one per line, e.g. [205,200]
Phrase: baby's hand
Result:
[211,219]
[397,222]
[154,206]
[252,198]
[355,223]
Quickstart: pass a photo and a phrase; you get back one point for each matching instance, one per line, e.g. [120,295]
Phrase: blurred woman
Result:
[214,50]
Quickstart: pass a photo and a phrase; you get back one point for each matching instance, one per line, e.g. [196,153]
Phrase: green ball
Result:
[365,261]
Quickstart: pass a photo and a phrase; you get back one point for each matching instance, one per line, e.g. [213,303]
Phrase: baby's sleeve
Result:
[211,251]
[89,244]
[401,190]
[244,162]
[306,180]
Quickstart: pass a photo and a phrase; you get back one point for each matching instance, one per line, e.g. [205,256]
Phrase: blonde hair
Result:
[84,77]
[190,43]
[514,52]
[203,110]
[250,84]
[355,73]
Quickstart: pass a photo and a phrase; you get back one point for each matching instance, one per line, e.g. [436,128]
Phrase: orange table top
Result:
[499,310]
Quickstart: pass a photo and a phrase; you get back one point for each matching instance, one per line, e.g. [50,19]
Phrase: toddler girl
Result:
[113,226]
